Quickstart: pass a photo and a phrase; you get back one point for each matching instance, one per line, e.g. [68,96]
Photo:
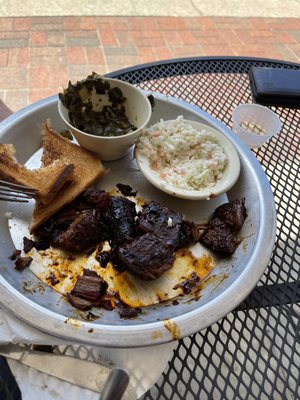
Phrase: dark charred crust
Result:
[90,286]
[220,234]
[103,258]
[166,224]
[147,256]
[28,244]
[233,214]
[22,263]
[126,190]
[79,303]
[97,197]
[120,218]
[143,244]
[82,234]
[52,278]
[188,284]
[129,313]
[15,255]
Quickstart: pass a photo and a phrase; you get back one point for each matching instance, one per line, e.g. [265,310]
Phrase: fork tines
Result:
[15,193]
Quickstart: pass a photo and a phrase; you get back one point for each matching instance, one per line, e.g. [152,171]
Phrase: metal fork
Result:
[16,193]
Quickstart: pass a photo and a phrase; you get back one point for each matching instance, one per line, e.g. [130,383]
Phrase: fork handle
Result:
[9,388]
[115,385]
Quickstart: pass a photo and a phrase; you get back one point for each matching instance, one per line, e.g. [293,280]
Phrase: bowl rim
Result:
[61,108]
[230,176]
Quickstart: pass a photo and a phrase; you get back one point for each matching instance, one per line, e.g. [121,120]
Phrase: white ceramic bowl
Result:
[229,178]
[138,111]
[255,124]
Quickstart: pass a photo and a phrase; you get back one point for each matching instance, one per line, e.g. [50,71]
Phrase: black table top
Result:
[253,352]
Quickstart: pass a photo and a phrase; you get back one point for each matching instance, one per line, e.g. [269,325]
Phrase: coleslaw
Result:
[183,156]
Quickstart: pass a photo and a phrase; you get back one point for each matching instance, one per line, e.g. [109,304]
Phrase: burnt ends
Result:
[143,243]
[221,232]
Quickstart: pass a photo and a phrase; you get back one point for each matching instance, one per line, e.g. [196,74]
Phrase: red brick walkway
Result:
[39,55]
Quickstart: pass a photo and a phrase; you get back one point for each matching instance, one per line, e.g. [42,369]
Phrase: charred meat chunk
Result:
[28,244]
[129,313]
[98,197]
[15,255]
[56,225]
[164,223]
[146,256]
[188,284]
[220,239]
[103,257]
[188,234]
[221,232]
[233,213]
[62,220]
[110,300]
[85,231]
[120,218]
[89,272]
[126,190]
[217,222]
[79,303]
[114,259]
[22,263]
[90,286]
[91,199]
[41,244]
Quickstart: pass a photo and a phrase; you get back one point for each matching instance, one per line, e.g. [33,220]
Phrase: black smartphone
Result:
[275,86]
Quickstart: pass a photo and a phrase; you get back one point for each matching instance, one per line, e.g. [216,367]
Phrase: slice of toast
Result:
[47,180]
[87,168]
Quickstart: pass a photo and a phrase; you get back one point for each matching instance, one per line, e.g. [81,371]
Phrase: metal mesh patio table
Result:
[254,352]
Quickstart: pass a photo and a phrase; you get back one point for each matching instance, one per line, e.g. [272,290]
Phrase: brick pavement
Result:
[38,55]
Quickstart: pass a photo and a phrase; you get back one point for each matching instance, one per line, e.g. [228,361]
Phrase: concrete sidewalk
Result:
[177,8]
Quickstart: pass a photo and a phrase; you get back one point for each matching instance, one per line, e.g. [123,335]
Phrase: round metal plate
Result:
[230,282]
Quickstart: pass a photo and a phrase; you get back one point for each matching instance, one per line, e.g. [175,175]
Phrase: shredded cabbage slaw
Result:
[183,156]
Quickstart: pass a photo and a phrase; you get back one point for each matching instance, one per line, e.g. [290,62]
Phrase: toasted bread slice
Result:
[87,168]
[47,180]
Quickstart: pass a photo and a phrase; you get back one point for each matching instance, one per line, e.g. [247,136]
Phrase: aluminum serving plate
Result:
[22,294]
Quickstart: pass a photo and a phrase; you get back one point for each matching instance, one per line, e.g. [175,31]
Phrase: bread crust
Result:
[87,168]
[47,180]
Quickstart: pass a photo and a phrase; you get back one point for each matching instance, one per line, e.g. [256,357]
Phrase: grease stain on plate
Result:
[171,326]
[60,271]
